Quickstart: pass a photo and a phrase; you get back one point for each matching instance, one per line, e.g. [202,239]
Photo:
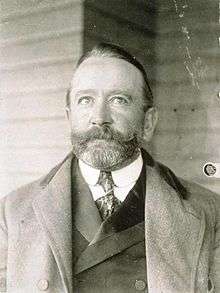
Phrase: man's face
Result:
[106,112]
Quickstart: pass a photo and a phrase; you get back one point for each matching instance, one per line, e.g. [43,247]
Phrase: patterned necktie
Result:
[108,203]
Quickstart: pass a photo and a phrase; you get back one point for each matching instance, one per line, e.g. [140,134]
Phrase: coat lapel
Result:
[86,217]
[174,233]
[120,231]
[104,248]
[53,211]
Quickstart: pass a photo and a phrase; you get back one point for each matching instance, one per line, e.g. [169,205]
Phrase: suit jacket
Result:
[112,258]
[182,234]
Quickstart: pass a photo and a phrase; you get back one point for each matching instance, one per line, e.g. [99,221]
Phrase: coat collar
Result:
[172,225]
[86,216]
[174,232]
[53,211]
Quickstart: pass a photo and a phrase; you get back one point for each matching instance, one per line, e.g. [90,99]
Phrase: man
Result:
[109,218]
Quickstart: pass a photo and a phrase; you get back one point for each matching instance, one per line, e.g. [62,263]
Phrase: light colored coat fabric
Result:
[182,235]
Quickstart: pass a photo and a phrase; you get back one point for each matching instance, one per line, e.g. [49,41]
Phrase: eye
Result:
[85,100]
[120,100]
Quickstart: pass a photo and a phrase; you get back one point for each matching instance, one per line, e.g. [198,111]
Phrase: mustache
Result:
[105,133]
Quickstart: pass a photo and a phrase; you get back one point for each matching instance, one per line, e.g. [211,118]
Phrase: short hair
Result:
[115,51]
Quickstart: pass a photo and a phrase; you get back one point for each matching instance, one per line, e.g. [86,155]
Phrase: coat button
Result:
[43,284]
[140,285]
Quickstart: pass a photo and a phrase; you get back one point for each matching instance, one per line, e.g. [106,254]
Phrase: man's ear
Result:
[151,118]
[67,110]
[68,116]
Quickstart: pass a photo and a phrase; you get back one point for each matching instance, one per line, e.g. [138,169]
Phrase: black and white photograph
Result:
[109,146]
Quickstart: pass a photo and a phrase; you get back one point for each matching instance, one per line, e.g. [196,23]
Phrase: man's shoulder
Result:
[200,194]
[22,197]
[194,196]
[19,200]
[203,200]
[190,189]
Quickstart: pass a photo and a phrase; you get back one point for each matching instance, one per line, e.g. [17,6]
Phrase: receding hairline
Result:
[105,50]
[99,61]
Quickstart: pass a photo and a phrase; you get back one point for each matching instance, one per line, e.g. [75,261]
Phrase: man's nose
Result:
[101,114]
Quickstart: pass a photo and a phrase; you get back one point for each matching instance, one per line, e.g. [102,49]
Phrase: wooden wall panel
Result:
[39,133]
[19,162]
[18,8]
[34,105]
[38,76]
[54,17]
[47,47]
[40,42]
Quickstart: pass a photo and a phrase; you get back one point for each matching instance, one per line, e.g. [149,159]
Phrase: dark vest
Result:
[109,256]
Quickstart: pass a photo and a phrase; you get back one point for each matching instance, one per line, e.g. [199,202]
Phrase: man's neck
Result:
[125,175]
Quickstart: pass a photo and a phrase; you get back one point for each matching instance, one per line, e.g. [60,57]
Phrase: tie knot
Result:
[106,181]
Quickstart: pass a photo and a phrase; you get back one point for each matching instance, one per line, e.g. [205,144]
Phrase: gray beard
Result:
[104,157]
[104,151]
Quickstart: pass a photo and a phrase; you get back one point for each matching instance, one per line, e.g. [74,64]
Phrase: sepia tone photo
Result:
[109,149]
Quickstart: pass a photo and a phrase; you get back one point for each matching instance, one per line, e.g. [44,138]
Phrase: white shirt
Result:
[124,179]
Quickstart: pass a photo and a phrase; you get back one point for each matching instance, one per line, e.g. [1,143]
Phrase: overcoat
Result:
[182,234]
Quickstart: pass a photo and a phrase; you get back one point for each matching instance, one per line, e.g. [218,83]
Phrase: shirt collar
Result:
[122,177]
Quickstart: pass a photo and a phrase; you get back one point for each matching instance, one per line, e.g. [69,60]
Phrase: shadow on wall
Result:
[165,36]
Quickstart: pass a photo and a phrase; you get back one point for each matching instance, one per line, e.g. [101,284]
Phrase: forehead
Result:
[105,73]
